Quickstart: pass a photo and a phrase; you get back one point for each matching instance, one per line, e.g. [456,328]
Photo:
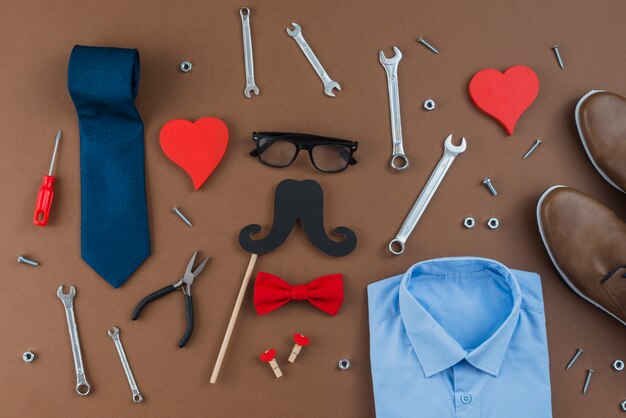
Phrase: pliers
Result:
[185,282]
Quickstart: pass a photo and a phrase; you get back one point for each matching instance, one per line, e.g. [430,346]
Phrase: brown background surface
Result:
[35,41]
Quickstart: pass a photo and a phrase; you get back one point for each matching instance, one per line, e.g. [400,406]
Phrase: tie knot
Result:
[299,292]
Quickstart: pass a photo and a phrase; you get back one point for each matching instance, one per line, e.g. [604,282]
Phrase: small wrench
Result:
[399,160]
[82,386]
[450,151]
[247,53]
[115,334]
[329,84]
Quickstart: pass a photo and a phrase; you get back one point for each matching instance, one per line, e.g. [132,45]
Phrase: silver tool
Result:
[469,222]
[399,160]
[427,45]
[587,381]
[344,364]
[493,223]
[429,104]
[618,365]
[185,66]
[329,84]
[530,151]
[558,56]
[579,351]
[28,356]
[247,54]
[82,387]
[487,182]
[181,216]
[450,152]
[115,335]
[54,152]
[24,260]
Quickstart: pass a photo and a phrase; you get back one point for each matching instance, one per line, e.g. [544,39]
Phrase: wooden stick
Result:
[233,318]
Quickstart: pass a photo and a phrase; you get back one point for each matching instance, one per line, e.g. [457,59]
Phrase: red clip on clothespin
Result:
[46,192]
[300,341]
[269,357]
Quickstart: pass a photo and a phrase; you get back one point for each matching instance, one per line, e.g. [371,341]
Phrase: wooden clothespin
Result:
[269,356]
[300,341]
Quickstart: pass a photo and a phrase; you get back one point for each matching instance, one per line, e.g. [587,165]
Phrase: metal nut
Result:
[618,365]
[469,222]
[28,356]
[493,223]
[623,404]
[186,66]
[344,364]
[430,104]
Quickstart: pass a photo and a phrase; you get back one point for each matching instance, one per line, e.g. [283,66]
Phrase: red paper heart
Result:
[504,96]
[196,147]
[300,339]
[268,355]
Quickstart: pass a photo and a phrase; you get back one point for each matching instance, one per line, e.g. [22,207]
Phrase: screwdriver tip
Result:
[58,135]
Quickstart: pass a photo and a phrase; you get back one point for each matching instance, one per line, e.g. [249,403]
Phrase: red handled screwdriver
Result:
[46,192]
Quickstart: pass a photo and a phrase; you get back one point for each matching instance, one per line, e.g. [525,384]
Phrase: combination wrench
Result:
[450,152]
[399,160]
[329,84]
[247,53]
[82,386]
[115,335]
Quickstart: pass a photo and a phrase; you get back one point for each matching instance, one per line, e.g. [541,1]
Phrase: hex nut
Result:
[186,66]
[28,356]
[430,104]
[469,222]
[344,364]
[493,223]
[623,404]
[618,365]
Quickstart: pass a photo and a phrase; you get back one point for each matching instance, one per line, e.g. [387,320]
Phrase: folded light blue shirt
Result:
[459,337]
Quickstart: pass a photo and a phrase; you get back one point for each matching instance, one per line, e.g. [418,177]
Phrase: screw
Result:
[579,351]
[558,56]
[24,260]
[427,45]
[487,182]
[587,380]
[178,212]
[530,151]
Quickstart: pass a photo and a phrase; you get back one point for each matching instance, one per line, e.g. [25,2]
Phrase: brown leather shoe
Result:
[601,122]
[587,244]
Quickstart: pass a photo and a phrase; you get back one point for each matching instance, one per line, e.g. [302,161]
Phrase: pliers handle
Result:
[162,292]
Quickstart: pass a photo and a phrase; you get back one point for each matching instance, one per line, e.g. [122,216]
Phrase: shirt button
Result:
[466,399]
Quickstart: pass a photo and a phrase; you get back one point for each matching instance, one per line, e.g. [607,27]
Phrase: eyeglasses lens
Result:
[276,152]
[331,157]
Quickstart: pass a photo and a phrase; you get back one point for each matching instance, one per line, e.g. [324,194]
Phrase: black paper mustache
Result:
[303,200]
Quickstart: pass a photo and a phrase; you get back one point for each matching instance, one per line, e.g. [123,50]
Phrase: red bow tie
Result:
[272,292]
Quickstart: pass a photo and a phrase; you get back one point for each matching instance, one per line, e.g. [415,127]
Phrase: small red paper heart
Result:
[504,96]
[196,147]
[300,339]
[268,355]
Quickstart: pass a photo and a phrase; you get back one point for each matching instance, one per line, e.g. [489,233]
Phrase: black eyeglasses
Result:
[280,149]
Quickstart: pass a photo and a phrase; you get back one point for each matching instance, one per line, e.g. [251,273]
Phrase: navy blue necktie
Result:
[103,84]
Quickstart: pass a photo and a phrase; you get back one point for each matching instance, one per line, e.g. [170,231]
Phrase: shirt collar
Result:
[434,347]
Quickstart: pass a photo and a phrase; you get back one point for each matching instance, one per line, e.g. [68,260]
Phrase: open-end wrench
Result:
[247,53]
[450,151]
[329,84]
[399,160]
[115,335]
[82,386]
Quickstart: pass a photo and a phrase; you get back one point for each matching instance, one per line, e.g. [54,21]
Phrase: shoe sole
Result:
[584,141]
[556,265]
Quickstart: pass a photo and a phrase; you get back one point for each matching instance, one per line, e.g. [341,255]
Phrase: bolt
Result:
[24,260]
[427,45]
[558,56]
[487,182]
[178,212]
[579,351]
[530,151]
[587,380]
